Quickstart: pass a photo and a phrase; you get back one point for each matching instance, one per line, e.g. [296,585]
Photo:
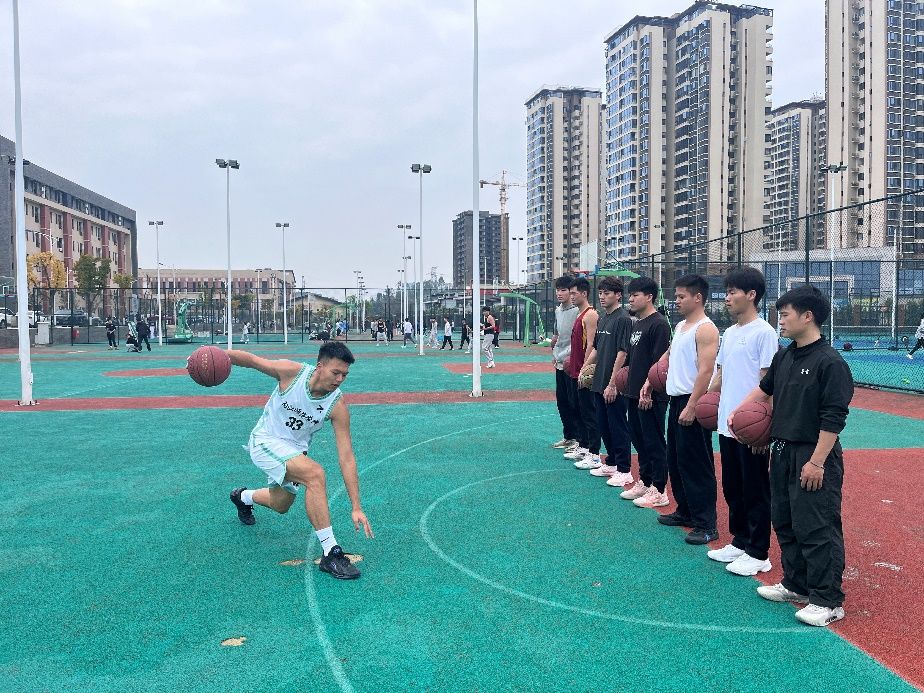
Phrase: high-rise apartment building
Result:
[686,128]
[563,187]
[875,98]
[795,181]
[493,248]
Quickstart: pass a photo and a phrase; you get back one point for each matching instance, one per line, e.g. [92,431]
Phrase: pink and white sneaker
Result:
[604,470]
[652,499]
[637,491]
[620,479]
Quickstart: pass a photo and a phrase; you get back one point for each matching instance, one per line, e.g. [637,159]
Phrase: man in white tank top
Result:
[690,462]
[304,398]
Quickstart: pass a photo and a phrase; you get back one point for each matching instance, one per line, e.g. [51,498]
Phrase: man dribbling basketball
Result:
[304,398]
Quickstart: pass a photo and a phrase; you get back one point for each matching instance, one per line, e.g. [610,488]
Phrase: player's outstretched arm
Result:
[280,369]
[340,419]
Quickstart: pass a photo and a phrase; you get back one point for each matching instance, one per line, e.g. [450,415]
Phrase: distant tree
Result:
[92,275]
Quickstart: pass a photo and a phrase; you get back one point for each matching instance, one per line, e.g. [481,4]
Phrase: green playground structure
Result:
[544,341]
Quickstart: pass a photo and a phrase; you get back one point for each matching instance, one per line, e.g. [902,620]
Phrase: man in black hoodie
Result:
[811,387]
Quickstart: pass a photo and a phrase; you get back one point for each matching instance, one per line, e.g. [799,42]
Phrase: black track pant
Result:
[808,523]
[587,411]
[614,430]
[566,399]
[111,336]
[647,429]
[446,340]
[919,345]
[691,467]
[145,340]
[746,487]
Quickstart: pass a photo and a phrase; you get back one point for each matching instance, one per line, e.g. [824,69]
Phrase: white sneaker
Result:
[490,364]
[574,446]
[637,491]
[620,479]
[778,593]
[747,566]
[588,461]
[564,443]
[604,470]
[652,499]
[726,554]
[910,358]
[815,615]
[576,454]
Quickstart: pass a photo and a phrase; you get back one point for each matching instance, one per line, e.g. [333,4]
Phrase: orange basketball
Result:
[621,381]
[751,424]
[657,376]
[707,411]
[209,366]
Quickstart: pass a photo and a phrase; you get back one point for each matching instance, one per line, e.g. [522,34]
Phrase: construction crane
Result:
[503,184]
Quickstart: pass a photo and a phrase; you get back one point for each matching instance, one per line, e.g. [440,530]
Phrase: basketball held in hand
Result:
[586,377]
[621,381]
[751,424]
[657,376]
[707,411]
[209,366]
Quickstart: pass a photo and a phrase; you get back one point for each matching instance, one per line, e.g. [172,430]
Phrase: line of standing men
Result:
[590,349]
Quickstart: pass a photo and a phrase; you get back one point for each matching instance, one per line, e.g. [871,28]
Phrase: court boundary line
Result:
[424,530]
[314,608]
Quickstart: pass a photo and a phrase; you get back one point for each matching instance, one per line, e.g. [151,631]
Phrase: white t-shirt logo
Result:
[635,338]
[805,371]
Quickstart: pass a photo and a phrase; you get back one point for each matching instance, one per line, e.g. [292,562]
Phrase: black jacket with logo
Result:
[811,387]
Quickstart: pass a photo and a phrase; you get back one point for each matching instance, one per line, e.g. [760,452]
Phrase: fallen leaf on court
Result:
[890,566]
[596,584]
[293,561]
[234,642]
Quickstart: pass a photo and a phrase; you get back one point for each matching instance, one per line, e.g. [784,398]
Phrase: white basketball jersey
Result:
[293,414]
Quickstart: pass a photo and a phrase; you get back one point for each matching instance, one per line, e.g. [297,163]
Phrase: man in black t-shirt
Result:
[651,335]
[609,352]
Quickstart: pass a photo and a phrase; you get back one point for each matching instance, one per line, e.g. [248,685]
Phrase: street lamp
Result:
[831,169]
[228,164]
[160,322]
[561,268]
[404,258]
[413,240]
[358,274]
[421,169]
[516,274]
[285,284]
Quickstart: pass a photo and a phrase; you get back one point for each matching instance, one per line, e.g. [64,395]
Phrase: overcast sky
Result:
[325,105]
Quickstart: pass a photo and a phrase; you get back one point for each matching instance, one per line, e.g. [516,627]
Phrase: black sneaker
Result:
[338,565]
[702,536]
[674,520]
[244,511]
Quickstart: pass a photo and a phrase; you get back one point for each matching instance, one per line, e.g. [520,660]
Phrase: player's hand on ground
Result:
[811,477]
[359,518]
[687,416]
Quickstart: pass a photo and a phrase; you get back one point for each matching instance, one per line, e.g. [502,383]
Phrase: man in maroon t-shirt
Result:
[587,454]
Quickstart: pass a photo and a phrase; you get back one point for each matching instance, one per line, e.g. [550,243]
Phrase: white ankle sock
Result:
[326,537]
[247,497]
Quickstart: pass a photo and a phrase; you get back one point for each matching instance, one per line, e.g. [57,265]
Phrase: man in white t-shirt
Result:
[408,329]
[745,354]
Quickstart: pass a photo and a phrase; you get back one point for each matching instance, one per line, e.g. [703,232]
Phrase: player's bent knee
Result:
[305,471]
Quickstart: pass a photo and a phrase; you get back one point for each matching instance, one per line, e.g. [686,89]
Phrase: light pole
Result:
[404,258]
[362,301]
[228,164]
[561,267]
[421,169]
[160,321]
[404,295]
[413,240]
[259,289]
[285,284]
[831,169]
[358,274]
[273,292]
[516,274]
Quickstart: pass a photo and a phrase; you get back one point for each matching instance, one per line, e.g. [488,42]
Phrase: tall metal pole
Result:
[285,285]
[420,259]
[160,319]
[228,217]
[22,296]
[476,208]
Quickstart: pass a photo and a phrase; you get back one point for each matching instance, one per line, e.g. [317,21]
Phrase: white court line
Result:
[330,654]
[568,607]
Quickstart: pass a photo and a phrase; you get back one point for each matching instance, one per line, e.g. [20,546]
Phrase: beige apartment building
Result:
[65,219]
[875,97]
[195,284]
[795,181]
[563,187]
[686,129]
